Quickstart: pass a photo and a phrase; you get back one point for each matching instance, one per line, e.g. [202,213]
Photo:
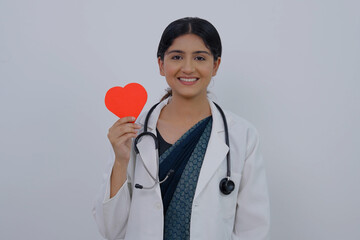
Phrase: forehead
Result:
[188,42]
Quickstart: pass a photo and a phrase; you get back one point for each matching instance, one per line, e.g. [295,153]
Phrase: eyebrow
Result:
[196,52]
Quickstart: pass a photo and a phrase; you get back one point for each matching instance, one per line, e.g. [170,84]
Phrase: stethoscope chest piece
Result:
[226,186]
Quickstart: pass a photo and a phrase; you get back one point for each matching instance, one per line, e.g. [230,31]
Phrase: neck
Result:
[187,110]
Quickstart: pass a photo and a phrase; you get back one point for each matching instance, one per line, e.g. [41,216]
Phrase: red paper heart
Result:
[127,101]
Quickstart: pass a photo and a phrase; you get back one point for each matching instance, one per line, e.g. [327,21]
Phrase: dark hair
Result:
[200,27]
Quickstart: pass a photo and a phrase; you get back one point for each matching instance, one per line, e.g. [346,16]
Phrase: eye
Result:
[176,57]
[200,58]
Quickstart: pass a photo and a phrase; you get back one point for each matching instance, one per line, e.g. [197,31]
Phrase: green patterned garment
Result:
[178,213]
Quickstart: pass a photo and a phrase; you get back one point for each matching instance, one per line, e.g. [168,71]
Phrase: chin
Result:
[191,95]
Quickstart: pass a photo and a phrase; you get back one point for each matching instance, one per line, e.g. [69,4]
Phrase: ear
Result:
[161,66]
[216,66]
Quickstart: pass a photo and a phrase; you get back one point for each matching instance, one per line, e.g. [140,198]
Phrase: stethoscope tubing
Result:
[228,171]
[226,184]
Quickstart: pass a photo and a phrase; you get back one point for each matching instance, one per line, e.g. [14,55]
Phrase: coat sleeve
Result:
[252,220]
[111,214]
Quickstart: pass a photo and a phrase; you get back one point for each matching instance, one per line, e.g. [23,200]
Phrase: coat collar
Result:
[214,156]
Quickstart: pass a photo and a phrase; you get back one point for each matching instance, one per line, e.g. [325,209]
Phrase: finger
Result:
[118,131]
[133,125]
[127,127]
[125,120]
[125,137]
[118,125]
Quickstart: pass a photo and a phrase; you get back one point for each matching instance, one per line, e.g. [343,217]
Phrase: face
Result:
[188,67]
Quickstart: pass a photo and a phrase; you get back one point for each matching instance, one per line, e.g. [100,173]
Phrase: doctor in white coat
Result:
[188,57]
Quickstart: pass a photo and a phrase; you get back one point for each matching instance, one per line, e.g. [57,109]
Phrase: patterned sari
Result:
[185,157]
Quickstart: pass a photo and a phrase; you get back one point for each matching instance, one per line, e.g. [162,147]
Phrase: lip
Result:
[188,80]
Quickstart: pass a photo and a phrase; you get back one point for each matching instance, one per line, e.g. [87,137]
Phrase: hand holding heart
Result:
[120,135]
[126,103]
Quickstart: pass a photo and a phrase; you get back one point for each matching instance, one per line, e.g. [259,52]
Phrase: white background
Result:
[292,68]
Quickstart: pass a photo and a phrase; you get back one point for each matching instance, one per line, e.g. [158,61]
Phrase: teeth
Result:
[188,79]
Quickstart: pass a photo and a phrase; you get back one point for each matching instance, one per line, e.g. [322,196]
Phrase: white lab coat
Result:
[137,214]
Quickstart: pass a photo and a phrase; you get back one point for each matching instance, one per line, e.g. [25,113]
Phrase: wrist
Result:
[120,164]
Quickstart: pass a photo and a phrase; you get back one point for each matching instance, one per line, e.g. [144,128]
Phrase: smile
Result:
[188,79]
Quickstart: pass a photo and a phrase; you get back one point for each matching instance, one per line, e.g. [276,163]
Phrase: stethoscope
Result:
[226,184]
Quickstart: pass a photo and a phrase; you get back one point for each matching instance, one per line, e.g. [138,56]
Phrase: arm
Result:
[252,220]
[111,213]
[118,177]
[111,209]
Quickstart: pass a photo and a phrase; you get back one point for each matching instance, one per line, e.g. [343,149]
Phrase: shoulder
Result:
[242,131]
[236,122]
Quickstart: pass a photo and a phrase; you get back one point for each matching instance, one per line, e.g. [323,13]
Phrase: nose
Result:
[188,66]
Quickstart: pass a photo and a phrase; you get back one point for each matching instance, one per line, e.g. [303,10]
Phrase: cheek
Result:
[170,74]
[170,70]
[206,70]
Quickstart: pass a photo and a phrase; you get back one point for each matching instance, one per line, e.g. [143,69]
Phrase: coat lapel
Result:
[215,153]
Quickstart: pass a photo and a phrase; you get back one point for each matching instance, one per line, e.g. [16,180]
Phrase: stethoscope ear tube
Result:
[146,131]
[143,134]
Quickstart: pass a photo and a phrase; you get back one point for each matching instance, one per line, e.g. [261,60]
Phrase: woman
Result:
[173,192]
